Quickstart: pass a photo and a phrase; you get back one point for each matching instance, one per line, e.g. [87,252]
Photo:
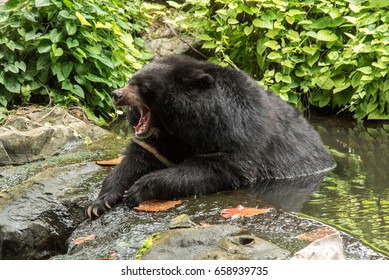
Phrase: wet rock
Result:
[119,233]
[122,232]
[212,242]
[253,247]
[182,221]
[38,134]
[326,248]
[189,244]
[41,202]
[43,211]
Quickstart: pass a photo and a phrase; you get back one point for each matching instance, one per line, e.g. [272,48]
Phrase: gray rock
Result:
[253,247]
[212,242]
[41,134]
[327,248]
[41,202]
[182,221]
[43,211]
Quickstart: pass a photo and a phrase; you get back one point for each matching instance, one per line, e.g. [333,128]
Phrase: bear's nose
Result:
[117,95]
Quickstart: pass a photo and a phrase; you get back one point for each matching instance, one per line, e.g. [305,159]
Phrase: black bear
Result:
[201,128]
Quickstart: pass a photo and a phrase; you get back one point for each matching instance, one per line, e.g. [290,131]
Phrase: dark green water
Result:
[355,196]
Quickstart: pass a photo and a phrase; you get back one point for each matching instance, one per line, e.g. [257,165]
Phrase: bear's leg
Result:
[195,176]
[136,163]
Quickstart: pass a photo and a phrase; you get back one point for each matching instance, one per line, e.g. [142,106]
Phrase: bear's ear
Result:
[199,77]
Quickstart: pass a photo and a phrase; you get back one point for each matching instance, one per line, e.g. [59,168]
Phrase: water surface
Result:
[354,197]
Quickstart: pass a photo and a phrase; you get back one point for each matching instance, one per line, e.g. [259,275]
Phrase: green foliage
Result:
[325,53]
[147,244]
[69,52]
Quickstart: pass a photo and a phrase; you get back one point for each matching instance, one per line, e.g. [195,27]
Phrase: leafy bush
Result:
[325,53]
[69,52]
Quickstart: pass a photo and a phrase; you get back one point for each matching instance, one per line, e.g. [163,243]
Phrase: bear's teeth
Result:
[144,121]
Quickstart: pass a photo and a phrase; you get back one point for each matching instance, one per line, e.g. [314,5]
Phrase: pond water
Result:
[354,197]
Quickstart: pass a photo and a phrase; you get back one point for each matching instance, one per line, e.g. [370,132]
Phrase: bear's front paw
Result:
[143,189]
[133,197]
[101,205]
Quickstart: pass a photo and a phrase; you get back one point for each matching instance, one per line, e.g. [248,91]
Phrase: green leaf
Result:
[205,37]
[321,23]
[13,69]
[55,36]
[174,4]
[326,36]
[232,21]
[56,51]
[93,78]
[67,68]
[377,115]
[310,49]
[21,65]
[341,87]
[32,35]
[312,59]
[325,82]
[67,85]
[72,43]
[42,62]
[10,44]
[11,83]
[11,4]
[44,46]
[201,13]
[279,77]
[272,44]
[365,70]
[334,55]
[274,56]
[323,101]
[371,107]
[56,69]
[248,30]
[295,12]
[293,36]
[42,3]
[262,24]
[77,90]
[106,25]
[71,27]
[379,3]
[209,45]
[82,19]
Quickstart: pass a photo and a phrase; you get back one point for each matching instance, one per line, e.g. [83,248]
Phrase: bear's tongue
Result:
[144,121]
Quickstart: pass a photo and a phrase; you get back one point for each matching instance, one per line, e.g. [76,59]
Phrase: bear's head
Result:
[159,86]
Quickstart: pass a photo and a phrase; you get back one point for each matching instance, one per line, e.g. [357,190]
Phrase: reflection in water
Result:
[288,194]
[355,195]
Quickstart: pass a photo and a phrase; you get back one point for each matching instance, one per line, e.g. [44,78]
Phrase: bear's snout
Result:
[117,96]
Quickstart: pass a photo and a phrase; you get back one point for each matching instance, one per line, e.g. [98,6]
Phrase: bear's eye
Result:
[150,86]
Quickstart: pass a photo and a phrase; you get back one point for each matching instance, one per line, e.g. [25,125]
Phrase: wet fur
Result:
[220,128]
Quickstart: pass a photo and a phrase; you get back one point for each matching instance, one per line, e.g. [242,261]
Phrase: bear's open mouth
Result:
[142,129]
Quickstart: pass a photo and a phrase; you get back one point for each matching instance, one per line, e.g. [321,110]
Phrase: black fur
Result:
[218,125]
